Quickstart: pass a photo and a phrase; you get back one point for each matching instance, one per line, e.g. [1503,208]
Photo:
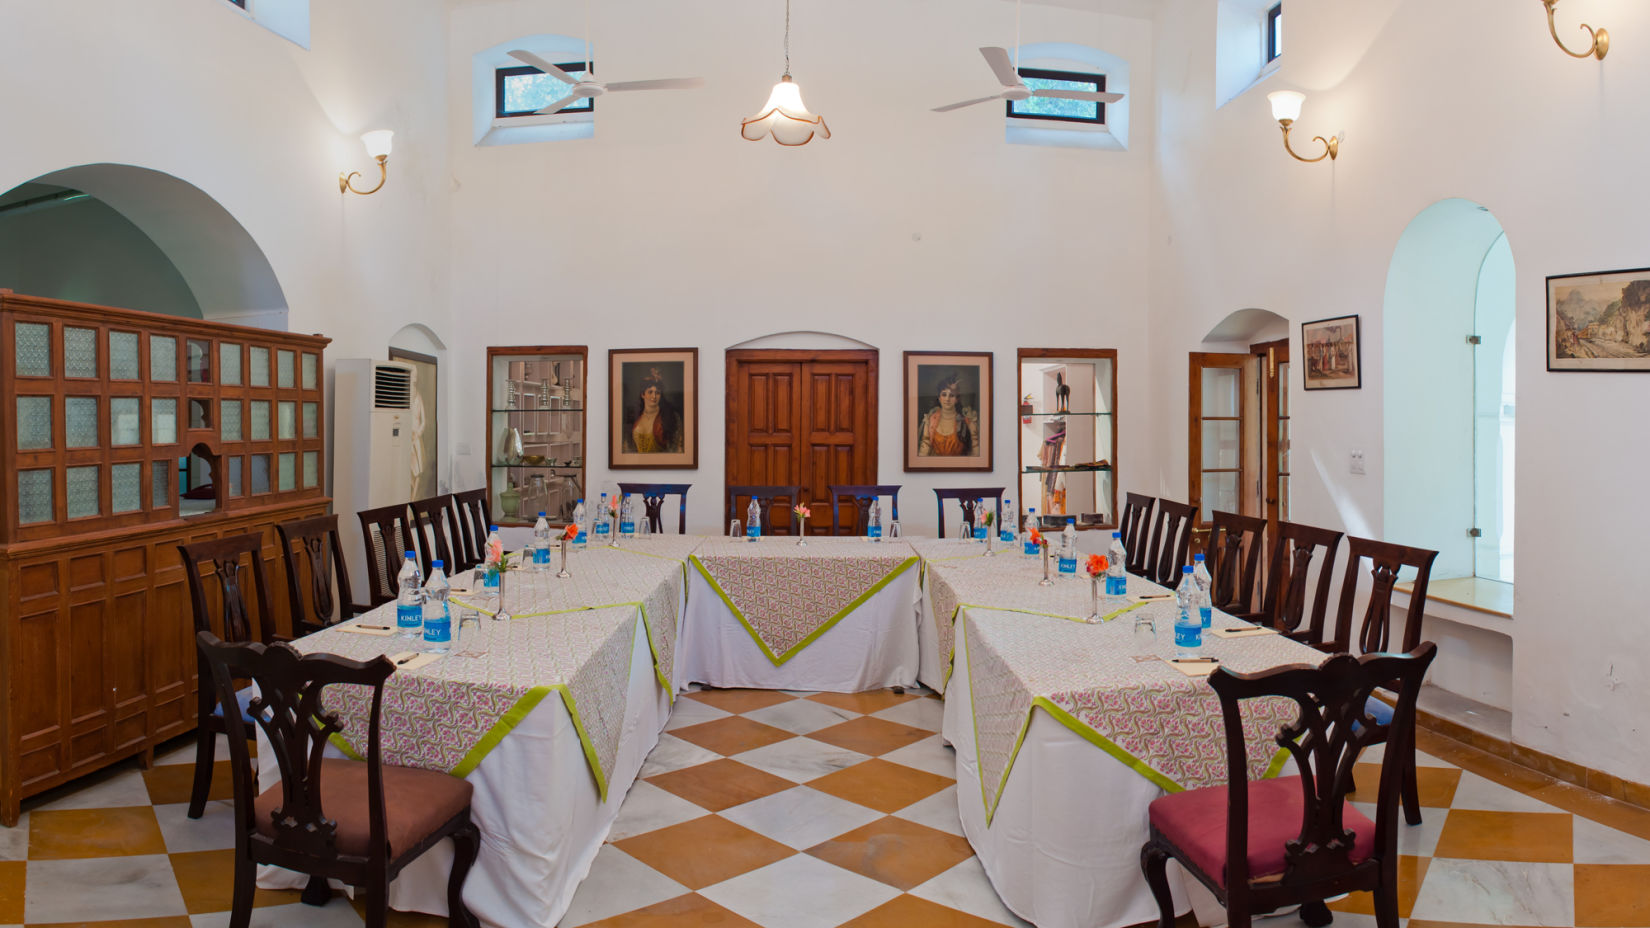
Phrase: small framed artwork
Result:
[948,423]
[653,408]
[1332,350]
[1599,322]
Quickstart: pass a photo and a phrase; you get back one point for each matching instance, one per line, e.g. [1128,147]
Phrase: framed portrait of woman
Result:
[653,408]
[948,423]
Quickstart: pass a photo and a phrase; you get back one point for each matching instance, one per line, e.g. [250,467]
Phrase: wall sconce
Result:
[1286,108]
[378,147]
[1600,38]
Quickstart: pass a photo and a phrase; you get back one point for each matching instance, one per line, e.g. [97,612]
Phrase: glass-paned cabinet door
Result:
[536,440]
[1068,436]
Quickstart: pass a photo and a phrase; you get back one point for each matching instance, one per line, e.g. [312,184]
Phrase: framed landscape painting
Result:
[653,408]
[1599,322]
[948,423]
[1332,353]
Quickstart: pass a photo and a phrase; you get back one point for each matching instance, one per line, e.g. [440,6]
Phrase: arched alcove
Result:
[217,272]
[1246,326]
[419,346]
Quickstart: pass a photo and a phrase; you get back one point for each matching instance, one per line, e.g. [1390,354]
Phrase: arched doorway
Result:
[128,236]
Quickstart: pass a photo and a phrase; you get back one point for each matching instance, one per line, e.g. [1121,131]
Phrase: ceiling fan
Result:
[1015,89]
[590,87]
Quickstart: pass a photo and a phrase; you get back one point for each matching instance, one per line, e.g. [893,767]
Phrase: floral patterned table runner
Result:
[649,575]
[449,714]
[1161,723]
[788,595]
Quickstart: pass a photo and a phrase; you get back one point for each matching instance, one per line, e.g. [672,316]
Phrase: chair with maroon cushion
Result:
[1171,539]
[1137,521]
[1295,840]
[1294,548]
[1234,556]
[359,822]
[968,498]
[223,558]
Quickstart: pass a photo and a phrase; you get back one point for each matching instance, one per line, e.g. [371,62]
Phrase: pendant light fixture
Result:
[784,117]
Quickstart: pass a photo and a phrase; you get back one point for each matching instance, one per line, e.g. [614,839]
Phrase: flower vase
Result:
[564,573]
[613,536]
[501,615]
[988,551]
[1094,600]
[1045,581]
[802,533]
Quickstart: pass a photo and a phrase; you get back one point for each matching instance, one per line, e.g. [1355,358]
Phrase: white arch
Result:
[807,339]
[225,269]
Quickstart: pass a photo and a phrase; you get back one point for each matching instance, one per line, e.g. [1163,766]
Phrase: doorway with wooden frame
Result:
[1238,439]
[801,417]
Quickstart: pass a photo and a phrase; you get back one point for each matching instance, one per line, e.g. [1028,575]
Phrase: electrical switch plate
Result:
[1357,462]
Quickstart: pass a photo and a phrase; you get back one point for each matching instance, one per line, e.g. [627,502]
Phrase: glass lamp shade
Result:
[785,118]
[1286,104]
[377,142]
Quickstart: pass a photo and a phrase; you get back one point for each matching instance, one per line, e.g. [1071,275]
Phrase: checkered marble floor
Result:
[794,810]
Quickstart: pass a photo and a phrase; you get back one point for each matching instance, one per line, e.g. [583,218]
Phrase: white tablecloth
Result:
[872,647]
[540,818]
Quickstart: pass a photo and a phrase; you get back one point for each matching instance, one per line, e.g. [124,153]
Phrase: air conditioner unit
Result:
[372,421]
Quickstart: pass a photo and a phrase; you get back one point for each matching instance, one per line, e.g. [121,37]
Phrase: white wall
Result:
[908,230]
[1465,98]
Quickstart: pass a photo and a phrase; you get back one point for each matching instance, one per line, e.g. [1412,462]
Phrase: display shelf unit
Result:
[537,395]
[1068,440]
[128,433]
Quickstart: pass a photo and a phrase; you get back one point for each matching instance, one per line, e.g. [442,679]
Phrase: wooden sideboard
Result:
[107,417]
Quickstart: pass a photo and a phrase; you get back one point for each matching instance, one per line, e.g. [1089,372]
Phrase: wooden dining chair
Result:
[1288,573]
[359,822]
[859,497]
[1171,538]
[764,496]
[1295,840]
[388,537]
[470,512]
[1233,554]
[1136,523]
[312,551]
[1373,633]
[653,503]
[237,619]
[432,527]
[968,499]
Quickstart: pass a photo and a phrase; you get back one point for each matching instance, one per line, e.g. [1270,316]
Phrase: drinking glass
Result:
[735,530]
[1145,633]
[964,531]
[893,529]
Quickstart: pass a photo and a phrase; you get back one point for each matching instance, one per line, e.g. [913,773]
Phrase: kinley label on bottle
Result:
[408,616]
[541,555]
[439,626]
[753,531]
[874,533]
[979,533]
[627,528]
[1006,536]
[1068,565]
[601,528]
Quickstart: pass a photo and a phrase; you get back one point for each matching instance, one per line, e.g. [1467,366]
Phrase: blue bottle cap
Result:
[1031,509]
[541,515]
[1197,557]
[437,565]
[410,555]
[1117,534]
[492,528]
[1186,570]
[1071,520]
[581,501]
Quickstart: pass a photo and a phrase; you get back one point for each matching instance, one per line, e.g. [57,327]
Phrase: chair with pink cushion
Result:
[1295,840]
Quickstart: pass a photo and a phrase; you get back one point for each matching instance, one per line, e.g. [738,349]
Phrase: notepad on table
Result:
[412,660]
[1243,631]
[379,631]
[1195,668]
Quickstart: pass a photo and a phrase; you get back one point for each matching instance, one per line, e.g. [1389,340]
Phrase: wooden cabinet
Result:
[536,444]
[1068,436]
[127,433]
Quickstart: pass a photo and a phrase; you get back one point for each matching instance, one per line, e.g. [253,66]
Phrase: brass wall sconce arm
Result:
[378,146]
[1286,108]
[1331,145]
[1599,44]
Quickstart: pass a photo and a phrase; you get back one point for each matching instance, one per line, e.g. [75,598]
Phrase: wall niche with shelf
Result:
[1068,436]
[536,444]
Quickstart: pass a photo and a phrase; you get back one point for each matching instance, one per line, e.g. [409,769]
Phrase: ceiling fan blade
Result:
[1001,65]
[1090,95]
[560,105]
[667,83]
[528,58]
[958,106]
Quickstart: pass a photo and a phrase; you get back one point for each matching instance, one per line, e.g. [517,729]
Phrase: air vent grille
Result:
[391,388]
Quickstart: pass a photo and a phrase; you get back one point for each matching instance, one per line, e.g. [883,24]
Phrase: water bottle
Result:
[753,520]
[873,521]
[409,602]
[438,617]
[494,558]
[1188,625]
[583,537]
[1005,530]
[627,518]
[1200,573]
[1117,559]
[1031,523]
[1068,548]
[541,544]
[979,519]
[600,528]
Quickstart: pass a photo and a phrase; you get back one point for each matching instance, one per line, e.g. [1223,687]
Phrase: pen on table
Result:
[1195,660]
[376,628]
[1149,596]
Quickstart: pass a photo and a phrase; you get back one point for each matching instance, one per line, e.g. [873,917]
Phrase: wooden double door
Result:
[802,418]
